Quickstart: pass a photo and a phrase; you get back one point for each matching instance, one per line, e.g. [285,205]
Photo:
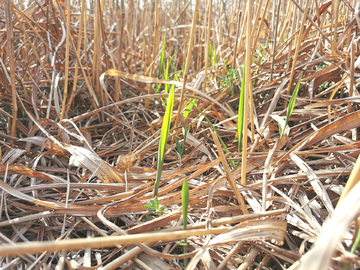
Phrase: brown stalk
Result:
[155,46]
[67,52]
[260,25]
[335,4]
[275,39]
[82,18]
[10,52]
[73,244]
[229,175]
[297,46]
[97,51]
[236,41]
[118,83]
[187,63]
[351,84]
[208,33]
[92,93]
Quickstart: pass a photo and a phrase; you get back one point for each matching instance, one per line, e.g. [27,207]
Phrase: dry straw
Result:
[84,96]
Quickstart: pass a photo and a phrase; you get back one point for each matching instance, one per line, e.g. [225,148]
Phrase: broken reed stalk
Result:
[187,63]
[275,39]
[335,4]
[297,47]
[97,52]
[208,34]
[120,42]
[255,40]
[78,51]
[155,45]
[86,79]
[351,75]
[100,242]
[67,52]
[229,175]
[10,48]
[236,40]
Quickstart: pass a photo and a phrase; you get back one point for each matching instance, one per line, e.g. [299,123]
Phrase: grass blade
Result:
[241,110]
[217,134]
[163,138]
[185,207]
[290,108]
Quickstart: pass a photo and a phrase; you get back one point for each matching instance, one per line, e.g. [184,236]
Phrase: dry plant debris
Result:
[264,127]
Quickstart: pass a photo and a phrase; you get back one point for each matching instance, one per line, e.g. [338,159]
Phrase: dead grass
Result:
[79,162]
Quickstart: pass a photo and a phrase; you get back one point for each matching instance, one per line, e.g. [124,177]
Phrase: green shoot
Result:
[210,53]
[163,138]
[353,249]
[290,108]
[166,77]
[356,243]
[211,125]
[263,53]
[241,111]
[166,74]
[154,206]
[162,56]
[214,59]
[180,148]
[185,206]
[228,80]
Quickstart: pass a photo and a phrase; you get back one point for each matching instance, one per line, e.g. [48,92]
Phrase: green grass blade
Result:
[185,130]
[263,52]
[241,111]
[185,207]
[166,74]
[162,56]
[185,202]
[353,249]
[217,134]
[189,107]
[163,138]
[214,59]
[210,53]
[183,146]
[179,147]
[290,107]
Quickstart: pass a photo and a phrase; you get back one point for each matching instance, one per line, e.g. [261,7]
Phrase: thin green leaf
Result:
[211,125]
[263,52]
[241,110]
[290,106]
[166,74]
[185,202]
[162,56]
[178,147]
[214,59]
[210,53]
[185,133]
[163,137]
[185,207]
[189,107]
